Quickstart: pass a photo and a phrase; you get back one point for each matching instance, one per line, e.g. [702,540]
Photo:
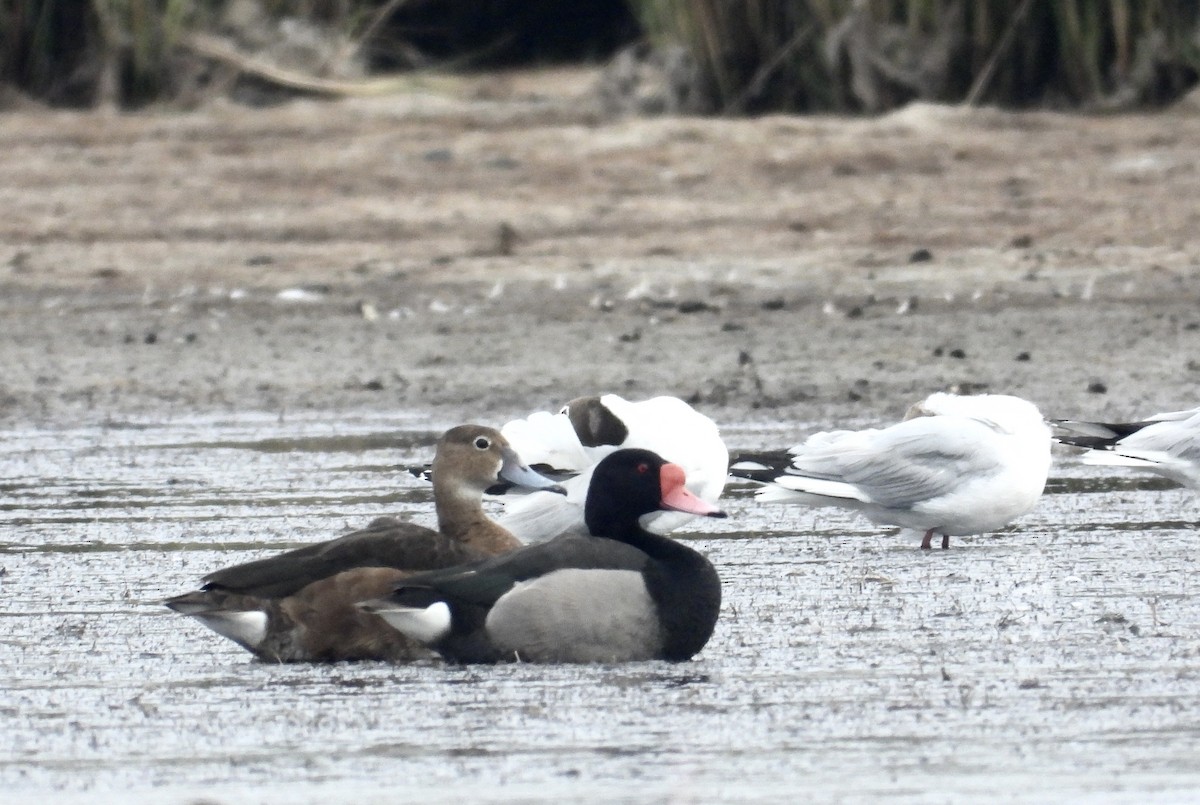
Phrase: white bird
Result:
[1167,444]
[588,429]
[956,465]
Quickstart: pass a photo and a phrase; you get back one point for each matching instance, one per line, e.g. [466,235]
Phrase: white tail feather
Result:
[777,494]
[821,487]
[246,627]
[425,625]
[1093,429]
[1109,458]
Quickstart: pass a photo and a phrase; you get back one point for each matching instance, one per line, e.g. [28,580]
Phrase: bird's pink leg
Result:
[925,543]
[945,541]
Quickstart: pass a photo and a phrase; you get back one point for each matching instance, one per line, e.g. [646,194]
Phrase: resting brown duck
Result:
[298,606]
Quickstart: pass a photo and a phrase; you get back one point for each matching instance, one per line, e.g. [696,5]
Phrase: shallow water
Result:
[1057,660]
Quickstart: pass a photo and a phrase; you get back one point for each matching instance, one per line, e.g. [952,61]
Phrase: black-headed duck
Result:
[622,594]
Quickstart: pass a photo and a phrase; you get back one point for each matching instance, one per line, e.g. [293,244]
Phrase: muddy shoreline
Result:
[801,352]
[498,250]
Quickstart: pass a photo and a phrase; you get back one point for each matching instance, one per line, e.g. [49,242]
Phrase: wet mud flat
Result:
[1057,660]
[502,249]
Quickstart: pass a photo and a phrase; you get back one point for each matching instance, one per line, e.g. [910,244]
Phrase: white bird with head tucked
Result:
[586,430]
[956,465]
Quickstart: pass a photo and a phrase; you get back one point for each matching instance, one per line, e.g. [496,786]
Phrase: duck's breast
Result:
[578,615]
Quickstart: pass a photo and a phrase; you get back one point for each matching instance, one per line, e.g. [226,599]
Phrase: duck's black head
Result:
[631,483]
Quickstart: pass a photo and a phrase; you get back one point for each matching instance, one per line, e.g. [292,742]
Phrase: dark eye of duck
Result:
[566,410]
[643,468]
[483,443]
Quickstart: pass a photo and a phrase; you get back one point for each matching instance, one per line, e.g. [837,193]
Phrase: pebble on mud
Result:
[696,306]
[1097,387]
[19,262]
[506,239]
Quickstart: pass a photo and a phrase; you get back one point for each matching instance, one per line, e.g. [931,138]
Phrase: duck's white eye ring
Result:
[483,443]
[566,409]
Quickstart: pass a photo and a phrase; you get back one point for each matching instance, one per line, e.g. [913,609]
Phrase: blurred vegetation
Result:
[80,52]
[131,52]
[872,55]
[728,56]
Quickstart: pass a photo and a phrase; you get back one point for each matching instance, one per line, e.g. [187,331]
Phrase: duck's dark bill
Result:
[677,497]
